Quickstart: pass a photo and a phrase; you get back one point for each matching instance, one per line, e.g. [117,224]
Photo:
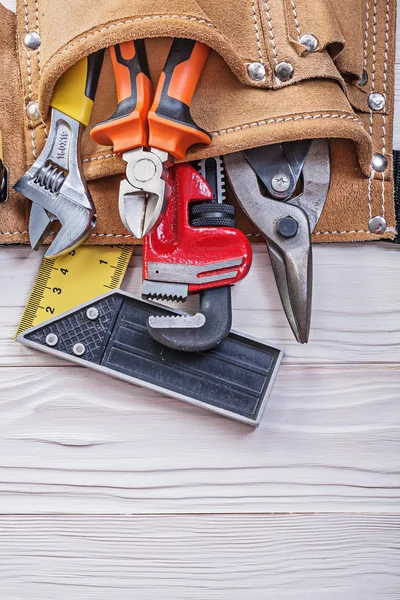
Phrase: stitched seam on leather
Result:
[103,156]
[286,119]
[366,35]
[37,31]
[341,232]
[271,31]
[30,86]
[385,66]
[373,63]
[118,235]
[115,235]
[13,232]
[257,30]
[46,133]
[323,232]
[135,20]
[371,115]
[296,20]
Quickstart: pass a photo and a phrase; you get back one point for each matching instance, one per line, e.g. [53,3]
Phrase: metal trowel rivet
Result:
[379,162]
[376,101]
[256,71]
[377,225]
[51,339]
[78,349]
[32,111]
[284,71]
[92,313]
[32,40]
[309,41]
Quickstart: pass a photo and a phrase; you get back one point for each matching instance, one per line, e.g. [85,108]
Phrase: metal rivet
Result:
[79,349]
[379,162]
[284,71]
[377,225]
[280,182]
[364,78]
[309,41]
[92,313]
[32,40]
[376,101]
[32,111]
[287,227]
[256,71]
[51,339]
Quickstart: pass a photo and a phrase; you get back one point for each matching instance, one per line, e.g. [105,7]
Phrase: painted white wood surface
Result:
[73,442]
[267,557]
[356,308]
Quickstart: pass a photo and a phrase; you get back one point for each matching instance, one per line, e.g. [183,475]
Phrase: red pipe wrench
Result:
[180,258]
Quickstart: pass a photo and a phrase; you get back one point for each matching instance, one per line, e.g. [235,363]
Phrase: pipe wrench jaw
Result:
[56,187]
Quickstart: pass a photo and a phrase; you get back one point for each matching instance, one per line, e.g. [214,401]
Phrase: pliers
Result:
[266,184]
[151,133]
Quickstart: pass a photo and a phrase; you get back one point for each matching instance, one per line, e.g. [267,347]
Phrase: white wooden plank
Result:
[74,441]
[275,557]
[355,313]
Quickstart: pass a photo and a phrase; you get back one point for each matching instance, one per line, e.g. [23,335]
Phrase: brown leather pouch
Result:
[354,42]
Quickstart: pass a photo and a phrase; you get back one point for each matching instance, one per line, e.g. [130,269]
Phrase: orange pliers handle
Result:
[166,122]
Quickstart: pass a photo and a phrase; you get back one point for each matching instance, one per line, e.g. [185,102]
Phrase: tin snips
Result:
[282,188]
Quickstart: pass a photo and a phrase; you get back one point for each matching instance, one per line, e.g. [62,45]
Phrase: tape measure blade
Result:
[63,283]
[28,317]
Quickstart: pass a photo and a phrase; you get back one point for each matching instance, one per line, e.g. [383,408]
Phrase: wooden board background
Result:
[109,491]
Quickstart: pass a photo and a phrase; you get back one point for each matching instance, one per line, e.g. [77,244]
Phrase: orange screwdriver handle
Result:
[171,127]
[127,128]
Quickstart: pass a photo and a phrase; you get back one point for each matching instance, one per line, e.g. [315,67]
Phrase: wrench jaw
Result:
[57,189]
[40,225]
[216,309]
[168,292]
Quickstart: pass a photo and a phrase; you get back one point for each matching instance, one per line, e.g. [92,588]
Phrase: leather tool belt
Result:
[279,70]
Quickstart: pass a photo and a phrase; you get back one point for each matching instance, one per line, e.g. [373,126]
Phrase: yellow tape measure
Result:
[63,283]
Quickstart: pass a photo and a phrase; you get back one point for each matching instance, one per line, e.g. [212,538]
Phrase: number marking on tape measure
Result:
[73,279]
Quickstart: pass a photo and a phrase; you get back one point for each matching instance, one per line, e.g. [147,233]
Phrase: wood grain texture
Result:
[268,557]
[72,441]
[356,305]
[78,442]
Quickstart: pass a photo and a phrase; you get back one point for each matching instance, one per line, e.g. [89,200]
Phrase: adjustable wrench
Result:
[55,183]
